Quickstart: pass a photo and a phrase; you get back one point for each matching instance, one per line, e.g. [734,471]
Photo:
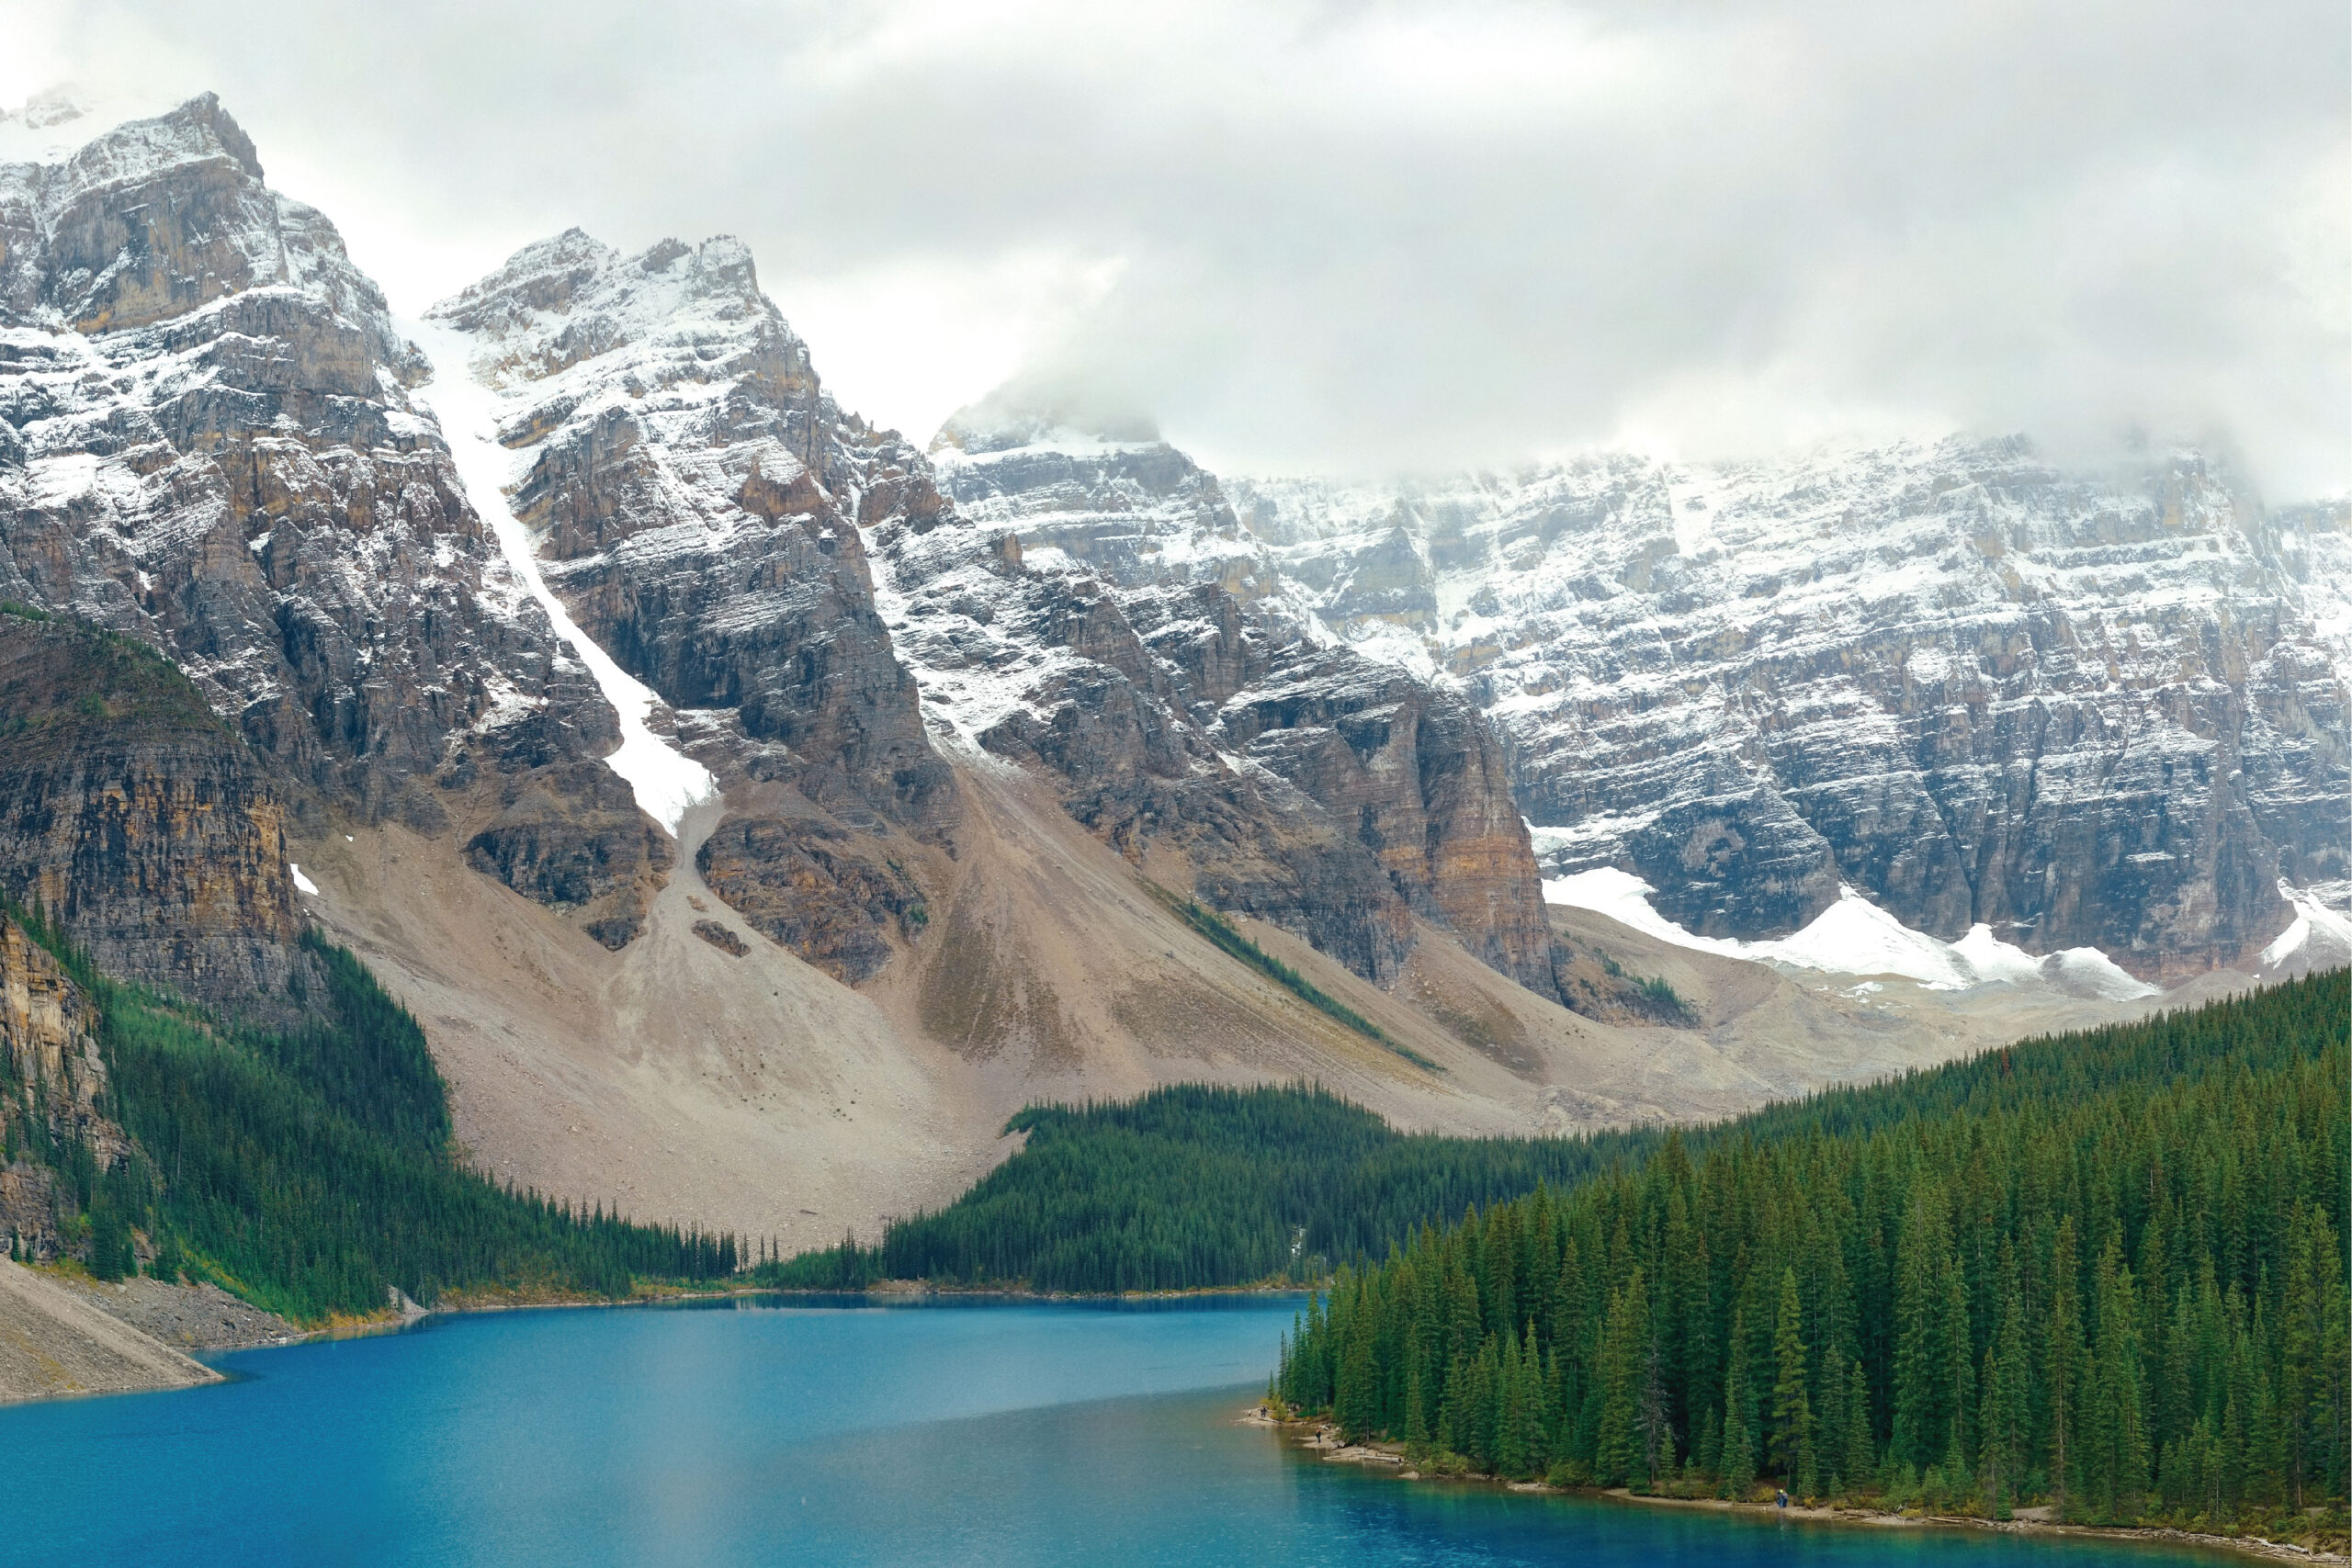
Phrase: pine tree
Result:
[1862,1447]
[2116,1458]
[2062,1361]
[2002,1431]
[1791,1406]
[1923,1352]
[1618,1453]
[1739,1421]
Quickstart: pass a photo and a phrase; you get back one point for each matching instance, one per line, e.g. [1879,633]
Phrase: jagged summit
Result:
[158,218]
[560,302]
[219,456]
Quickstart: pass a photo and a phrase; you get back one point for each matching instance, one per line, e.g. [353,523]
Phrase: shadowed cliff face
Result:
[140,819]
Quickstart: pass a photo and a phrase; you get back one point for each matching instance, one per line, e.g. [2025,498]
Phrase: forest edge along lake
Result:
[1321,1439]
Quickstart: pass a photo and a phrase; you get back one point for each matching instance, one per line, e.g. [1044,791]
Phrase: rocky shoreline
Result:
[186,1317]
[1323,1438]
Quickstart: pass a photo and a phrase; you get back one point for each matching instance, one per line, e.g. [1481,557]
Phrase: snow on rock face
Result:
[696,500]
[206,440]
[1094,607]
[2319,937]
[2083,713]
[664,781]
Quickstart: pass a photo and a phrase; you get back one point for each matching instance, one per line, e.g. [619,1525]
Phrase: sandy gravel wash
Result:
[52,1343]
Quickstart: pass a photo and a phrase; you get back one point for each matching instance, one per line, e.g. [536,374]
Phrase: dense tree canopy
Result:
[2105,1271]
[1194,1185]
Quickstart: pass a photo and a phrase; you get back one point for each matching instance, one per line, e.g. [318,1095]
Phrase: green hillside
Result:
[310,1170]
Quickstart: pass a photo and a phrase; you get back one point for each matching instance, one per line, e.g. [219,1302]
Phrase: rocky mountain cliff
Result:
[138,818]
[207,442]
[53,1088]
[2105,712]
[801,590]
[1100,611]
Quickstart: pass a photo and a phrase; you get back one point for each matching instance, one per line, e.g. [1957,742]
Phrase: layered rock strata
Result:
[1101,609]
[136,815]
[2085,712]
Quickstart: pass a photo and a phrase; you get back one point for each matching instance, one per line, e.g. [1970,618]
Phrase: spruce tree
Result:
[1792,1405]
[1618,1451]
[1861,1445]
[1739,1421]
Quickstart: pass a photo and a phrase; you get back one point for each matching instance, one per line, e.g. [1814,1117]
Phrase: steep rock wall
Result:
[137,816]
[2084,711]
[207,442]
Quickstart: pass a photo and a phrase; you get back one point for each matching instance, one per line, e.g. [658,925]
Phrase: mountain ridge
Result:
[963,713]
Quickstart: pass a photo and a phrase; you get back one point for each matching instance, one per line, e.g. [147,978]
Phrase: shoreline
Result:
[404,1313]
[1322,1437]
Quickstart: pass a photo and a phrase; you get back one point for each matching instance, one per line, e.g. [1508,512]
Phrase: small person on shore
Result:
[1779,1498]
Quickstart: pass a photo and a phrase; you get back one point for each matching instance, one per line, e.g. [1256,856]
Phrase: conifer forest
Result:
[2102,1273]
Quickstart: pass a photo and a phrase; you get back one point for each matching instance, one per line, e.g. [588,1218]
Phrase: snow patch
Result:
[2313,918]
[665,781]
[1854,936]
[301,883]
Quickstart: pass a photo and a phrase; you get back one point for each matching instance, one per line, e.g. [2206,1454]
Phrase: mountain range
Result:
[757,805]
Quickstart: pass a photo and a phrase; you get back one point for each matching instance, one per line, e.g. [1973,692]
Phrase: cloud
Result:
[1378,235]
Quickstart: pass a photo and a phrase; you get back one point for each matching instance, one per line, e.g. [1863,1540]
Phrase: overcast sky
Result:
[1374,237]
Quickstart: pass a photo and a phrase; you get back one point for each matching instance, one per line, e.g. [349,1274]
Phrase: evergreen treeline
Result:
[2104,1272]
[309,1171]
[1194,1185]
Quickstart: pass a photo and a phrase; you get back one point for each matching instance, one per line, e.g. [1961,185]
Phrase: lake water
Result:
[745,1434]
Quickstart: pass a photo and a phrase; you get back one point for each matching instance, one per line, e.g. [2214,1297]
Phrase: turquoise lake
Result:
[756,1433]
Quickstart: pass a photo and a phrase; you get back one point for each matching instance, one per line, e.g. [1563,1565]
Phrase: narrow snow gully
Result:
[665,781]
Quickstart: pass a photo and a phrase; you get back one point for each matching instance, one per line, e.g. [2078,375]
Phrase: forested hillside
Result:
[1192,1186]
[2104,1271]
[306,1169]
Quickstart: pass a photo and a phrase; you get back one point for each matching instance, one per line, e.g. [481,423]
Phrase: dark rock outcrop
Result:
[814,887]
[140,819]
[569,836]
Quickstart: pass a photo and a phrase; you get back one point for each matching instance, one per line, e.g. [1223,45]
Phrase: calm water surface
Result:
[979,1435]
